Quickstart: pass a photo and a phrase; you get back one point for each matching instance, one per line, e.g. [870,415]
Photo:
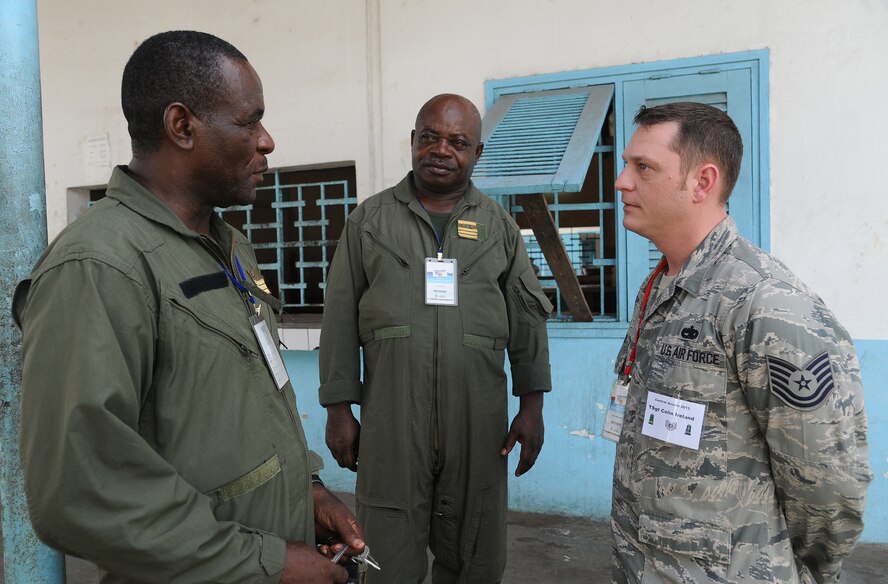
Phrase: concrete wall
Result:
[344,79]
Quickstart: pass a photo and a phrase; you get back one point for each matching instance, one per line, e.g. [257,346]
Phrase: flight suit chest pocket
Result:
[693,372]
[386,301]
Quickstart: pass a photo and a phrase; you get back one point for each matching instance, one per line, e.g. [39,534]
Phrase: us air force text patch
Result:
[805,388]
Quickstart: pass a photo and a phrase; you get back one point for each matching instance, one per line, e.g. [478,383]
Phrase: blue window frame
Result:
[738,83]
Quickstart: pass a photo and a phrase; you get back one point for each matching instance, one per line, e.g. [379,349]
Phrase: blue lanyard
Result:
[237,283]
[435,231]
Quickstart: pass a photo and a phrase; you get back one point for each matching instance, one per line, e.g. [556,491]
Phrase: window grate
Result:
[586,222]
[294,226]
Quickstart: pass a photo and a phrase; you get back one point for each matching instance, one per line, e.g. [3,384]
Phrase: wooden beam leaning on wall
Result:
[537,212]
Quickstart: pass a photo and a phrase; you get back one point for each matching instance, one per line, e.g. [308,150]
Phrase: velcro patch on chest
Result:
[803,388]
[194,286]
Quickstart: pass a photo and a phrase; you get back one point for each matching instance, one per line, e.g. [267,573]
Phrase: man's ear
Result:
[178,122]
[708,182]
[412,136]
[479,150]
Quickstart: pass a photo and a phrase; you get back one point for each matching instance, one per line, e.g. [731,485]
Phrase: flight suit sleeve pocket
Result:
[536,306]
[679,536]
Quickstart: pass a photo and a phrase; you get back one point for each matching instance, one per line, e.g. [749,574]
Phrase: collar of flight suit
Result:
[130,193]
[406,193]
[694,273]
[126,190]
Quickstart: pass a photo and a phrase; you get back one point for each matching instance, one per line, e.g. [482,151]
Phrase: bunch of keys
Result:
[357,565]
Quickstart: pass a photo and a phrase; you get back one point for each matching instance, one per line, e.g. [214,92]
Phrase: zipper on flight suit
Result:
[216,251]
[229,265]
[290,413]
[436,412]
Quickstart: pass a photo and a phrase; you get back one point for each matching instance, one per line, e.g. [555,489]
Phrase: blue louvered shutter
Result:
[541,142]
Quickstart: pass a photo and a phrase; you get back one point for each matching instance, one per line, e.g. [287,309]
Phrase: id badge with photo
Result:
[440,281]
[270,351]
[613,422]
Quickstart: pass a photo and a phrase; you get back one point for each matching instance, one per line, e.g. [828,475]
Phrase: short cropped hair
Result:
[176,66]
[705,134]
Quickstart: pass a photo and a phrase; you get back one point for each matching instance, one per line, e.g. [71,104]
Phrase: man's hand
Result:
[333,520]
[527,428]
[304,565]
[343,435]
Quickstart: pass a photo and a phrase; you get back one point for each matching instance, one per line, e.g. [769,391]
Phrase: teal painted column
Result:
[22,239]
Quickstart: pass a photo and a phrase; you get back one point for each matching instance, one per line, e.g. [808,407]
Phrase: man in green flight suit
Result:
[431,279]
[160,436]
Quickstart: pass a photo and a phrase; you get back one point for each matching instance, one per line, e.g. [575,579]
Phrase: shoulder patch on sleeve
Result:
[803,388]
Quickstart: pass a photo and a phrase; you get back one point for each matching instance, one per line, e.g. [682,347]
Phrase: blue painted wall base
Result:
[573,474]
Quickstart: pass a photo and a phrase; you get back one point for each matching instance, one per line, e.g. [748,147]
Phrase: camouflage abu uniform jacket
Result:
[776,490]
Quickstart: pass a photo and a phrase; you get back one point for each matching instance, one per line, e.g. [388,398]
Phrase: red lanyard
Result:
[627,371]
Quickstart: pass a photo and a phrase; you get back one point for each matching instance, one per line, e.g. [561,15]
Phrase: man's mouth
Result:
[260,175]
[437,167]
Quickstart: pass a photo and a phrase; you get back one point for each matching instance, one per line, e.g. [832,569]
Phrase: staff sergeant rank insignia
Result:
[805,388]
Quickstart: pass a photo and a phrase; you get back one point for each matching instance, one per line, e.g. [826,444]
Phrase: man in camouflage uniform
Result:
[743,454]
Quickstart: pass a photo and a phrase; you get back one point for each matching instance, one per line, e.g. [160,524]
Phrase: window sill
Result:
[594,330]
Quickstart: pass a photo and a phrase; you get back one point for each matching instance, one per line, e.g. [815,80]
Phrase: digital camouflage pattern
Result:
[776,491]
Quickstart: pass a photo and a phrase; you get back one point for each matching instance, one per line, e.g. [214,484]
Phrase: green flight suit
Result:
[155,441]
[433,400]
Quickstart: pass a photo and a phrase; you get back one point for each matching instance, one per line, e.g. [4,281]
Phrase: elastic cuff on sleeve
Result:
[529,377]
[336,392]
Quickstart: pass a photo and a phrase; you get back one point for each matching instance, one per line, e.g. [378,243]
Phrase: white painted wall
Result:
[344,79]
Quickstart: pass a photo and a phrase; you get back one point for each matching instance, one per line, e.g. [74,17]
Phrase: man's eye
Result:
[428,138]
[643,166]
[459,144]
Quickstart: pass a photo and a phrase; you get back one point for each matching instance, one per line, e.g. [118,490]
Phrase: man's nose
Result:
[622,183]
[266,142]
[441,147]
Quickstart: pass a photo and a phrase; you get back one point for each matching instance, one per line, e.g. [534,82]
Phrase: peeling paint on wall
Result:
[584,433]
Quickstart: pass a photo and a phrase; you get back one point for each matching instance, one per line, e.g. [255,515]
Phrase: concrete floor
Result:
[551,549]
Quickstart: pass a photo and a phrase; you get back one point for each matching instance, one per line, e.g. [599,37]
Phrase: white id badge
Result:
[270,351]
[440,281]
[673,420]
[613,422]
